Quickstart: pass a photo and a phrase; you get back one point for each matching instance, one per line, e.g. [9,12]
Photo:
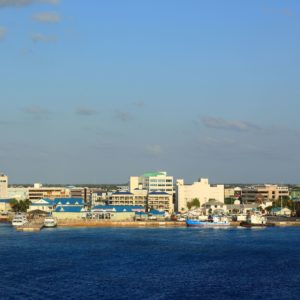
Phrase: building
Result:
[263,193]
[161,201]
[3,186]
[124,198]
[45,205]
[5,205]
[71,212]
[39,192]
[82,192]
[201,190]
[18,193]
[116,213]
[152,181]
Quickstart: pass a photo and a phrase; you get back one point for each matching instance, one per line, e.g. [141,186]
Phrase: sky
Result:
[96,91]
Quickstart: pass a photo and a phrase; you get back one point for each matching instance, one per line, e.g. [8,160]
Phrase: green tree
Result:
[194,203]
[20,206]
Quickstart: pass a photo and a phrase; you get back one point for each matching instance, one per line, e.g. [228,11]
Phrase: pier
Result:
[35,225]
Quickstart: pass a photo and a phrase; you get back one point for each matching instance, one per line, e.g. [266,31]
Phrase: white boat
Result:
[50,222]
[19,220]
[215,221]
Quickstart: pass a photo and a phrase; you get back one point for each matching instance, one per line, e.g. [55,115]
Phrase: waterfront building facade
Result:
[3,186]
[45,205]
[161,201]
[122,198]
[18,193]
[152,181]
[263,193]
[39,192]
[201,190]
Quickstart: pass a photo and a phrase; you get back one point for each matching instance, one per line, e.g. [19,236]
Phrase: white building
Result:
[3,186]
[152,182]
[201,190]
[18,193]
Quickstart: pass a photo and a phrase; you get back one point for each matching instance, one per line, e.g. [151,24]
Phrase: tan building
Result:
[263,193]
[3,186]
[201,190]
[122,198]
[160,201]
[39,192]
[82,192]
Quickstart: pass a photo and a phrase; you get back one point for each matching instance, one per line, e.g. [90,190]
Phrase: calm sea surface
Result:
[160,263]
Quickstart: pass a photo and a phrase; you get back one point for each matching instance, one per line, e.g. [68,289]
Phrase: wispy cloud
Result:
[85,111]
[36,110]
[154,149]
[47,17]
[4,3]
[123,116]
[139,104]
[41,38]
[3,31]
[220,123]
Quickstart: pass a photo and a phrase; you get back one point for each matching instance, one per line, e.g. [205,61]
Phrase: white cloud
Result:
[85,111]
[220,123]
[123,116]
[38,37]
[46,17]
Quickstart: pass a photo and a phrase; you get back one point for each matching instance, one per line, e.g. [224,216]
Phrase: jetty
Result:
[35,225]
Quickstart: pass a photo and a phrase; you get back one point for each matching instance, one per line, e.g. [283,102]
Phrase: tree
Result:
[194,203]
[21,205]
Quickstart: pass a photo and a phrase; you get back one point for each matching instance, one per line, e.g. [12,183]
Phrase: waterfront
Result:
[150,263]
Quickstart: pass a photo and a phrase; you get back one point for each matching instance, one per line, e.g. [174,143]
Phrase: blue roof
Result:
[158,193]
[122,193]
[5,200]
[68,201]
[69,209]
[156,212]
[120,208]
[48,202]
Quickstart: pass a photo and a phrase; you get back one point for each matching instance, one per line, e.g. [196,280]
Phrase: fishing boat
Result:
[215,221]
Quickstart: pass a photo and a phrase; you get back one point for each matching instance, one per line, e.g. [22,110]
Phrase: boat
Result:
[50,222]
[19,220]
[256,220]
[215,221]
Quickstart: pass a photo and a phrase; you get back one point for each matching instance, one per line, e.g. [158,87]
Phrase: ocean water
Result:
[153,263]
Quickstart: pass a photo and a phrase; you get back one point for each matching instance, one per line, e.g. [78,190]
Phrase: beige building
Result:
[39,192]
[263,193]
[201,190]
[161,201]
[152,181]
[122,198]
[3,186]
[18,193]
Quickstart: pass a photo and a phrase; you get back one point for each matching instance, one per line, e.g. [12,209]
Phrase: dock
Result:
[35,225]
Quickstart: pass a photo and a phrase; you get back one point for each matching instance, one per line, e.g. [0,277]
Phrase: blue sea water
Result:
[153,263]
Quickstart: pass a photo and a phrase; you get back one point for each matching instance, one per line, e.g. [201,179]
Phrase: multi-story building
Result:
[122,198]
[18,193]
[82,192]
[162,201]
[153,181]
[3,186]
[263,193]
[39,192]
[201,190]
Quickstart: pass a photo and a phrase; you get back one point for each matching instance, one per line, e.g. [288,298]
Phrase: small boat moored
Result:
[256,220]
[50,222]
[19,220]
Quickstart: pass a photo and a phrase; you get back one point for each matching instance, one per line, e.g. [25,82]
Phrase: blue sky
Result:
[95,91]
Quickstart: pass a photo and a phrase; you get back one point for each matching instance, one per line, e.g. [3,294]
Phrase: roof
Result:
[153,174]
[70,209]
[122,193]
[119,208]
[68,201]
[156,212]
[158,193]
[5,200]
[278,209]
[46,201]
